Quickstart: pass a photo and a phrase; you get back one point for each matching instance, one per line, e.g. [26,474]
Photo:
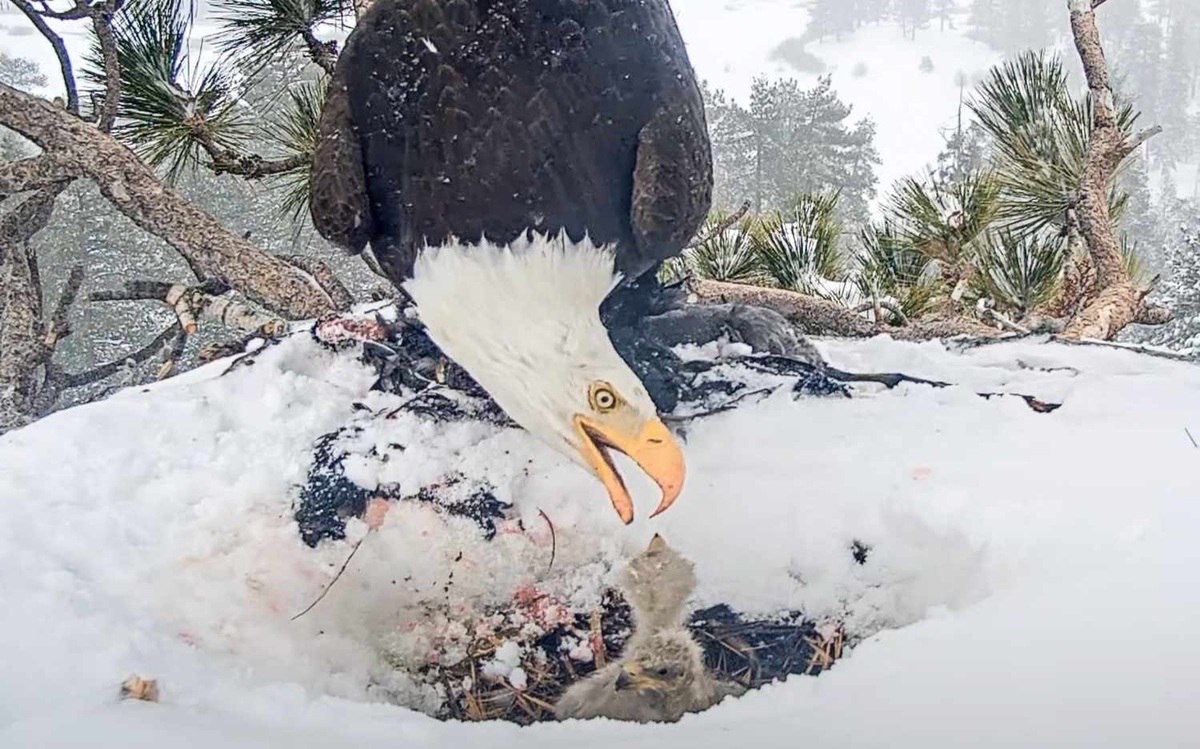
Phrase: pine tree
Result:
[874,11]
[913,15]
[1175,93]
[788,141]
[944,10]
[984,21]
[830,18]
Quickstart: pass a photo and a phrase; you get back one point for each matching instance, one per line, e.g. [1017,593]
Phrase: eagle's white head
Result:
[524,320]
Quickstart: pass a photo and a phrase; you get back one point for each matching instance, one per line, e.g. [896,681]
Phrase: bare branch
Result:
[724,225]
[815,316]
[59,327]
[79,11]
[105,371]
[324,277]
[30,216]
[1153,314]
[171,356]
[60,49]
[192,304]
[229,161]
[102,24]
[323,54]
[136,191]
[1004,322]
[134,291]
[1138,139]
[34,173]
[901,318]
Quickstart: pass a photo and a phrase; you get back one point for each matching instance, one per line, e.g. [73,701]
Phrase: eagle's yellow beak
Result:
[649,444]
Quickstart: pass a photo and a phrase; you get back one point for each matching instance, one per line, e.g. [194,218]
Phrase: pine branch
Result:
[139,193]
[60,48]
[251,166]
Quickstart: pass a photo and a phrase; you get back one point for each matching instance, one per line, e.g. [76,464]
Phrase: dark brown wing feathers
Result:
[471,118]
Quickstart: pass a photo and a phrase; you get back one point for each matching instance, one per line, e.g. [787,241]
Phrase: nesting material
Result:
[137,688]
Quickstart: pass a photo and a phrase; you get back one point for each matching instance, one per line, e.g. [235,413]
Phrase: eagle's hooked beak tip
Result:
[652,448]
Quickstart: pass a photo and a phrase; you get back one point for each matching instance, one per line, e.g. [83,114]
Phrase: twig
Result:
[1188,432]
[729,221]
[1144,350]
[172,355]
[60,50]
[901,318]
[107,370]
[179,299]
[553,539]
[336,577]
[1005,322]
[58,328]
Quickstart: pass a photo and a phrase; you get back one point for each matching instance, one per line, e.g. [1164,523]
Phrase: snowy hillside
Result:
[1032,577]
[877,70]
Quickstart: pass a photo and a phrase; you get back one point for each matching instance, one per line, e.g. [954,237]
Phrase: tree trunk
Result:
[134,189]
[1117,302]
[21,350]
[26,343]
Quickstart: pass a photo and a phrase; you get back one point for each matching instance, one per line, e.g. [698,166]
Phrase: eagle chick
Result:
[661,676]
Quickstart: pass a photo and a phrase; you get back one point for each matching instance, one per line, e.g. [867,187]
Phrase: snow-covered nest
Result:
[1031,576]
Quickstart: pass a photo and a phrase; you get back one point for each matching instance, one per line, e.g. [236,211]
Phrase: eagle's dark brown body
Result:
[473,118]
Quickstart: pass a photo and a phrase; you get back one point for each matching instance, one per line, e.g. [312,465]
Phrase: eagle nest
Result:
[512,661]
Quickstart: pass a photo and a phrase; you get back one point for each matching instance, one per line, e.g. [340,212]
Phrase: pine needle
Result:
[336,577]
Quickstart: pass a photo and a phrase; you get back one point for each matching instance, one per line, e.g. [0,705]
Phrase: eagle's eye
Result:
[603,398]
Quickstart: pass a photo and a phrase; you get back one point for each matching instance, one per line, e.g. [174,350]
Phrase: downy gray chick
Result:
[661,676]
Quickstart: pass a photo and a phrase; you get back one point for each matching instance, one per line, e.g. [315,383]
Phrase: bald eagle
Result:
[509,162]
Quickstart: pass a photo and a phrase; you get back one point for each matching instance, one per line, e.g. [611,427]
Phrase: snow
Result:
[1031,579]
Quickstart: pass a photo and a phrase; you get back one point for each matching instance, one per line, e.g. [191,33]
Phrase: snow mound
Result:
[1030,580]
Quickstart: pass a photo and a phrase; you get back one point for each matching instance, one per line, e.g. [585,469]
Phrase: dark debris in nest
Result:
[751,652]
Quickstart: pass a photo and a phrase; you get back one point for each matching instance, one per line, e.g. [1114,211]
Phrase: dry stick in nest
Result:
[901,318]
[1005,322]
[338,576]
[553,539]
[376,510]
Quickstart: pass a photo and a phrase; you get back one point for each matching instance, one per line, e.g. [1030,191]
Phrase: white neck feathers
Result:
[529,280]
